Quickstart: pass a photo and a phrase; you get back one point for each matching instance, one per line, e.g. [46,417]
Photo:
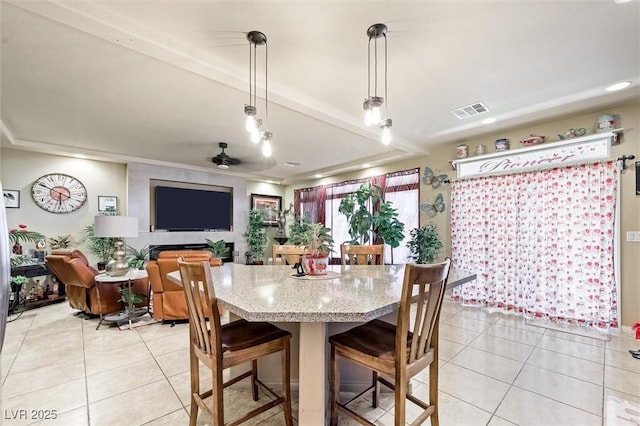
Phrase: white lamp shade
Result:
[115,226]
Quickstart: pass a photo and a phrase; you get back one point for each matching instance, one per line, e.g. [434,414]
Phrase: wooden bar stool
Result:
[351,254]
[397,351]
[220,347]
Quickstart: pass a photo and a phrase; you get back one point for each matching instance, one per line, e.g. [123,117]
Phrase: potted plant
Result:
[424,244]
[383,223]
[137,258]
[60,242]
[218,248]
[256,237]
[317,239]
[22,234]
[98,246]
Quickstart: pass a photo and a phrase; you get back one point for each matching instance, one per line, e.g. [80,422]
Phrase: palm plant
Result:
[60,242]
[137,258]
[218,248]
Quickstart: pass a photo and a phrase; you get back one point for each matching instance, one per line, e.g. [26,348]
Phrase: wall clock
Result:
[59,193]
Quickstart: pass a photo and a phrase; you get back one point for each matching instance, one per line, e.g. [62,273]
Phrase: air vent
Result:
[470,110]
[292,163]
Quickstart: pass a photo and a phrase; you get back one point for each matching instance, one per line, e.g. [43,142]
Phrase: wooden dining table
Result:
[347,294]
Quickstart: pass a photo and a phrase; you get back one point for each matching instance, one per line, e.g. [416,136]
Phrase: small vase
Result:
[17,248]
[315,265]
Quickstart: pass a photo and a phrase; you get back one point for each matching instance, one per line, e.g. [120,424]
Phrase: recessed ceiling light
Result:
[366,165]
[79,156]
[317,176]
[488,120]
[292,163]
[618,86]
[622,1]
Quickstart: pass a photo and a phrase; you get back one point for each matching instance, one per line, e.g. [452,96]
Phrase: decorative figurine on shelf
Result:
[299,269]
[572,133]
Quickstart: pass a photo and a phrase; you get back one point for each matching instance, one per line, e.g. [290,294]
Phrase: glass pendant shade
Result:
[386,136]
[266,143]
[255,135]
[250,124]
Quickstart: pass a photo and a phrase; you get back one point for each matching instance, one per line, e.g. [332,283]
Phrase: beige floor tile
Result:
[565,389]
[622,380]
[173,363]
[479,313]
[447,349]
[471,387]
[580,335]
[137,406]
[108,338]
[110,359]
[159,329]
[495,366]
[77,417]
[622,360]
[502,347]
[529,409]
[457,334]
[467,323]
[620,395]
[178,417]
[170,343]
[181,384]
[577,349]
[62,398]
[519,322]
[622,342]
[122,379]
[452,411]
[571,366]
[499,421]
[55,356]
[41,378]
[518,335]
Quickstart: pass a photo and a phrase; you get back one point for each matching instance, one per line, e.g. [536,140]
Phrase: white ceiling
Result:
[165,81]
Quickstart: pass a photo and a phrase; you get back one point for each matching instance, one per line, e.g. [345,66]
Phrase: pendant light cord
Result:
[386,97]
[250,91]
[266,102]
[369,69]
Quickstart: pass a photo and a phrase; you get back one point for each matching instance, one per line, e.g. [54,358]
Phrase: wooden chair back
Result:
[220,347]
[397,353]
[289,255]
[199,292]
[423,287]
[362,255]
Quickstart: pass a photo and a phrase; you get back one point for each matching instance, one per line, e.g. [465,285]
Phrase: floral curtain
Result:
[542,243]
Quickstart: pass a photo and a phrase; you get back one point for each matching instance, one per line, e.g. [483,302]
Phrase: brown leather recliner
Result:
[169,302]
[72,269]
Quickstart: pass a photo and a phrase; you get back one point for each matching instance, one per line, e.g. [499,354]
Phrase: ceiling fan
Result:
[222,160]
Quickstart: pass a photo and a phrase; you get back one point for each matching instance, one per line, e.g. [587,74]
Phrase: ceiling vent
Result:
[471,110]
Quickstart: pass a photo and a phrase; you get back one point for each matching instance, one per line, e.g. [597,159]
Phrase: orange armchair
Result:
[73,270]
[169,302]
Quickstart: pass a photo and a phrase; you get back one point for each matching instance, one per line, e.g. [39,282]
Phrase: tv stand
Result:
[154,250]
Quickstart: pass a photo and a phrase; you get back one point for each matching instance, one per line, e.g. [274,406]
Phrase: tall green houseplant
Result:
[424,244]
[383,223]
[256,235]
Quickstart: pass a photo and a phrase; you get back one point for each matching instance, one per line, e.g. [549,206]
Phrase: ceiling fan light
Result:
[223,166]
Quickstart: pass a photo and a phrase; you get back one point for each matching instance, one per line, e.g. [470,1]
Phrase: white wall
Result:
[19,169]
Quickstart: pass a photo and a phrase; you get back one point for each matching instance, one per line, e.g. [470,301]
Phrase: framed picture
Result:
[269,205]
[11,198]
[107,203]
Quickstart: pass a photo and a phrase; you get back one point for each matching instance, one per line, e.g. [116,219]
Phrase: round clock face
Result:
[59,193]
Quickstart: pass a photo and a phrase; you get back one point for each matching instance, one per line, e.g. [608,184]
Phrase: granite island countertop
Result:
[347,294]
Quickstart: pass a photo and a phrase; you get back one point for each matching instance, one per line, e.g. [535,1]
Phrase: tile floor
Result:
[494,370]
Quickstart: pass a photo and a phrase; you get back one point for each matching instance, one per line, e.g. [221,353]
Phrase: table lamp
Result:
[116,227]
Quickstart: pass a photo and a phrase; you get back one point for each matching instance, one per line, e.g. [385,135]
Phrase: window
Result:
[321,204]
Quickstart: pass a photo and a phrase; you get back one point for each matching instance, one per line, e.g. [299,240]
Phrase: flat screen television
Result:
[185,209]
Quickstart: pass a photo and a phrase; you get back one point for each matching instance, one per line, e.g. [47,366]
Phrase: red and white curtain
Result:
[542,243]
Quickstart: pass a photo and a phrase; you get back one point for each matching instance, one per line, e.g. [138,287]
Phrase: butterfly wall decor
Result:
[431,210]
[430,178]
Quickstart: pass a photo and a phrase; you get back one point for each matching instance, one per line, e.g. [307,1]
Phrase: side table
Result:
[133,274]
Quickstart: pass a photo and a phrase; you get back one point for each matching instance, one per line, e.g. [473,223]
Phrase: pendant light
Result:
[252,124]
[373,103]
